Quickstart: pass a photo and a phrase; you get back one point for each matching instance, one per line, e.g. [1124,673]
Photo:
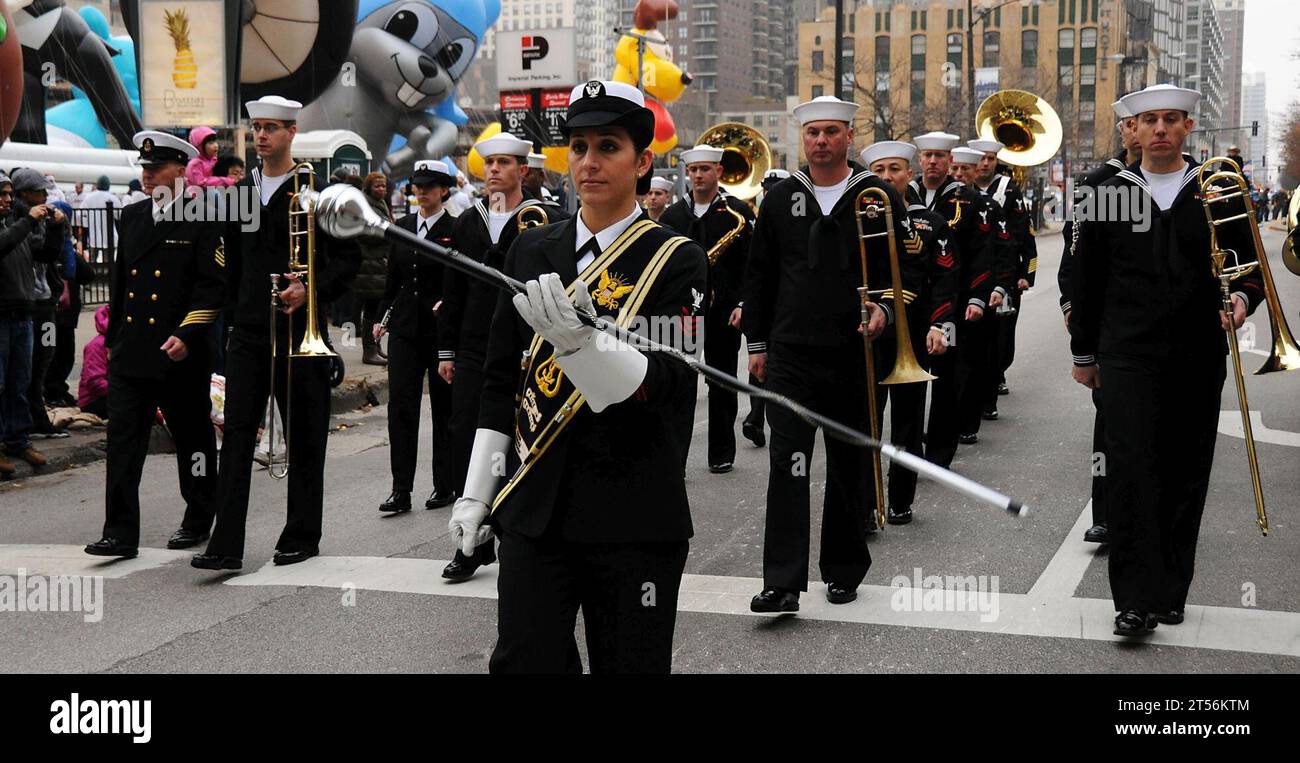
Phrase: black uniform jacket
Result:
[1151,293]
[613,476]
[168,280]
[1093,179]
[972,219]
[253,255]
[467,303]
[1014,229]
[726,277]
[935,254]
[805,267]
[413,287]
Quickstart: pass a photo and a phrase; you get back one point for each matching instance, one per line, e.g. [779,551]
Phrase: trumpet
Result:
[1225,273]
[302,244]
[906,369]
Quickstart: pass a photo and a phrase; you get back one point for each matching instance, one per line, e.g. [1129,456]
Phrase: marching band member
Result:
[1015,213]
[483,233]
[930,261]
[968,219]
[658,197]
[1130,153]
[167,290]
[534,177]
[596,515]
[801,318]
[251,255]
[1147,329]
[703,217]
[412,296]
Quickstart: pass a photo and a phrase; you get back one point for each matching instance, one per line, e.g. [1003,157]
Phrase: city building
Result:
[1203,71]
[1254,108]
[1232,19]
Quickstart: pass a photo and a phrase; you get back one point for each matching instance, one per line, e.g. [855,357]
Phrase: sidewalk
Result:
[361,385]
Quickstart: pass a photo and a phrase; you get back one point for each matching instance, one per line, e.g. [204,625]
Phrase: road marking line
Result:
[65,560]
[1062,575]
[1230,424]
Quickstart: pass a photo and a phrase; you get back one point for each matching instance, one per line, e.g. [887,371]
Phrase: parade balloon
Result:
[11,74]
[474,162]
[665,138]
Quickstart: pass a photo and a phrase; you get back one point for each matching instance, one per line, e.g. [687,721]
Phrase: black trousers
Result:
[44,337]
[906,413]
[974,370]
[65,357]
[627,593]
[945,397]
[721,350]
[1161,424]
[1098,469]
[1002,347]
[248,387]
[411,362]
[466,387]
[185,402]
[757,407]
[830,381]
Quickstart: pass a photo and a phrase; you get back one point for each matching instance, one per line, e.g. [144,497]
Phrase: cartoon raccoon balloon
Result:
[398,84]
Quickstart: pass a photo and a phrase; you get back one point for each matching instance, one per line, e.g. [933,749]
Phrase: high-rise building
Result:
[1254,108]
[1203,71]
[1232,19]
[906,63]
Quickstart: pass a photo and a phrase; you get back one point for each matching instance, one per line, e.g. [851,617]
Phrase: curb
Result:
[348,396]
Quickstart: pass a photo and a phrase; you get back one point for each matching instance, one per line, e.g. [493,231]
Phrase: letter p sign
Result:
[534,48]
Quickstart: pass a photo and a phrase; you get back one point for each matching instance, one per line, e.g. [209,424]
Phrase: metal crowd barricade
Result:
[96,231]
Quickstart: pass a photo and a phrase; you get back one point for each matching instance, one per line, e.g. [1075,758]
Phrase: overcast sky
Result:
[1272,45]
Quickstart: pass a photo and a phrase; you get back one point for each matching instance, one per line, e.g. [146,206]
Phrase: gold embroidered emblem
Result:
[548,376]
[529,406]
[610,290]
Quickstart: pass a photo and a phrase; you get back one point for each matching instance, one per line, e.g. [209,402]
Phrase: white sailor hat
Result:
[663,184]
[1121,111]
[936,141]
[273,107]
[985,146]
[504,143]
[888,149]
[432,172]
[963,155]
[1160,97]
[702,153]
[536,161]
[825,107]
[158,147]
[773,177]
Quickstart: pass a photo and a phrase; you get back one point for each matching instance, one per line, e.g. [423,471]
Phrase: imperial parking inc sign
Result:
[538,58]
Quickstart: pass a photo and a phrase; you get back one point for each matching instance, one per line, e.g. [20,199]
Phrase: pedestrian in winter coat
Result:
[368,288]
[199,172]
[92,392]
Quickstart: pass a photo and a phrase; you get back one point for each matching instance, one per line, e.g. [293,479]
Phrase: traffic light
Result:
[1254,129]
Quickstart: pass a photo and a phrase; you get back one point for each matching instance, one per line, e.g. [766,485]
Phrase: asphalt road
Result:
[374,601]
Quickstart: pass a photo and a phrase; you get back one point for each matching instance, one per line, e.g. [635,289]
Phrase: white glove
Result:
[546,308]
[471,511]
[467,524]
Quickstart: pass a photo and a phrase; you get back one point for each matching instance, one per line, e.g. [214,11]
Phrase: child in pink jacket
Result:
[92,392]
[198,173]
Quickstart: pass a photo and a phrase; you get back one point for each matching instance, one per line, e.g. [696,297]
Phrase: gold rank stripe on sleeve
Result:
[915,244]
[220,255]
[200,316]
[908,296]
[1033,264]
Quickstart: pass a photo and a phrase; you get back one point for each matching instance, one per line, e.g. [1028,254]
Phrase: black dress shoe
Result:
[440,498]
[1172,617]
[720,468]
[216,562]
[775,600]
[462,568]
[399,501]
[837,593]
[898,516]
[293,557]
[1096,534]
[990,414]
[1002,389]
[754,433]
[968,439]
[1131,622]
[183,538]
[112,547]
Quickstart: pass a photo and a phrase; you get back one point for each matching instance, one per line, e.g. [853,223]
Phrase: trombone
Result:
[302,236]
[1212,194]
[906,369]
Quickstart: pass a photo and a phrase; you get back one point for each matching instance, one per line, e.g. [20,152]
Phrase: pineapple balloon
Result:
[185,72]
